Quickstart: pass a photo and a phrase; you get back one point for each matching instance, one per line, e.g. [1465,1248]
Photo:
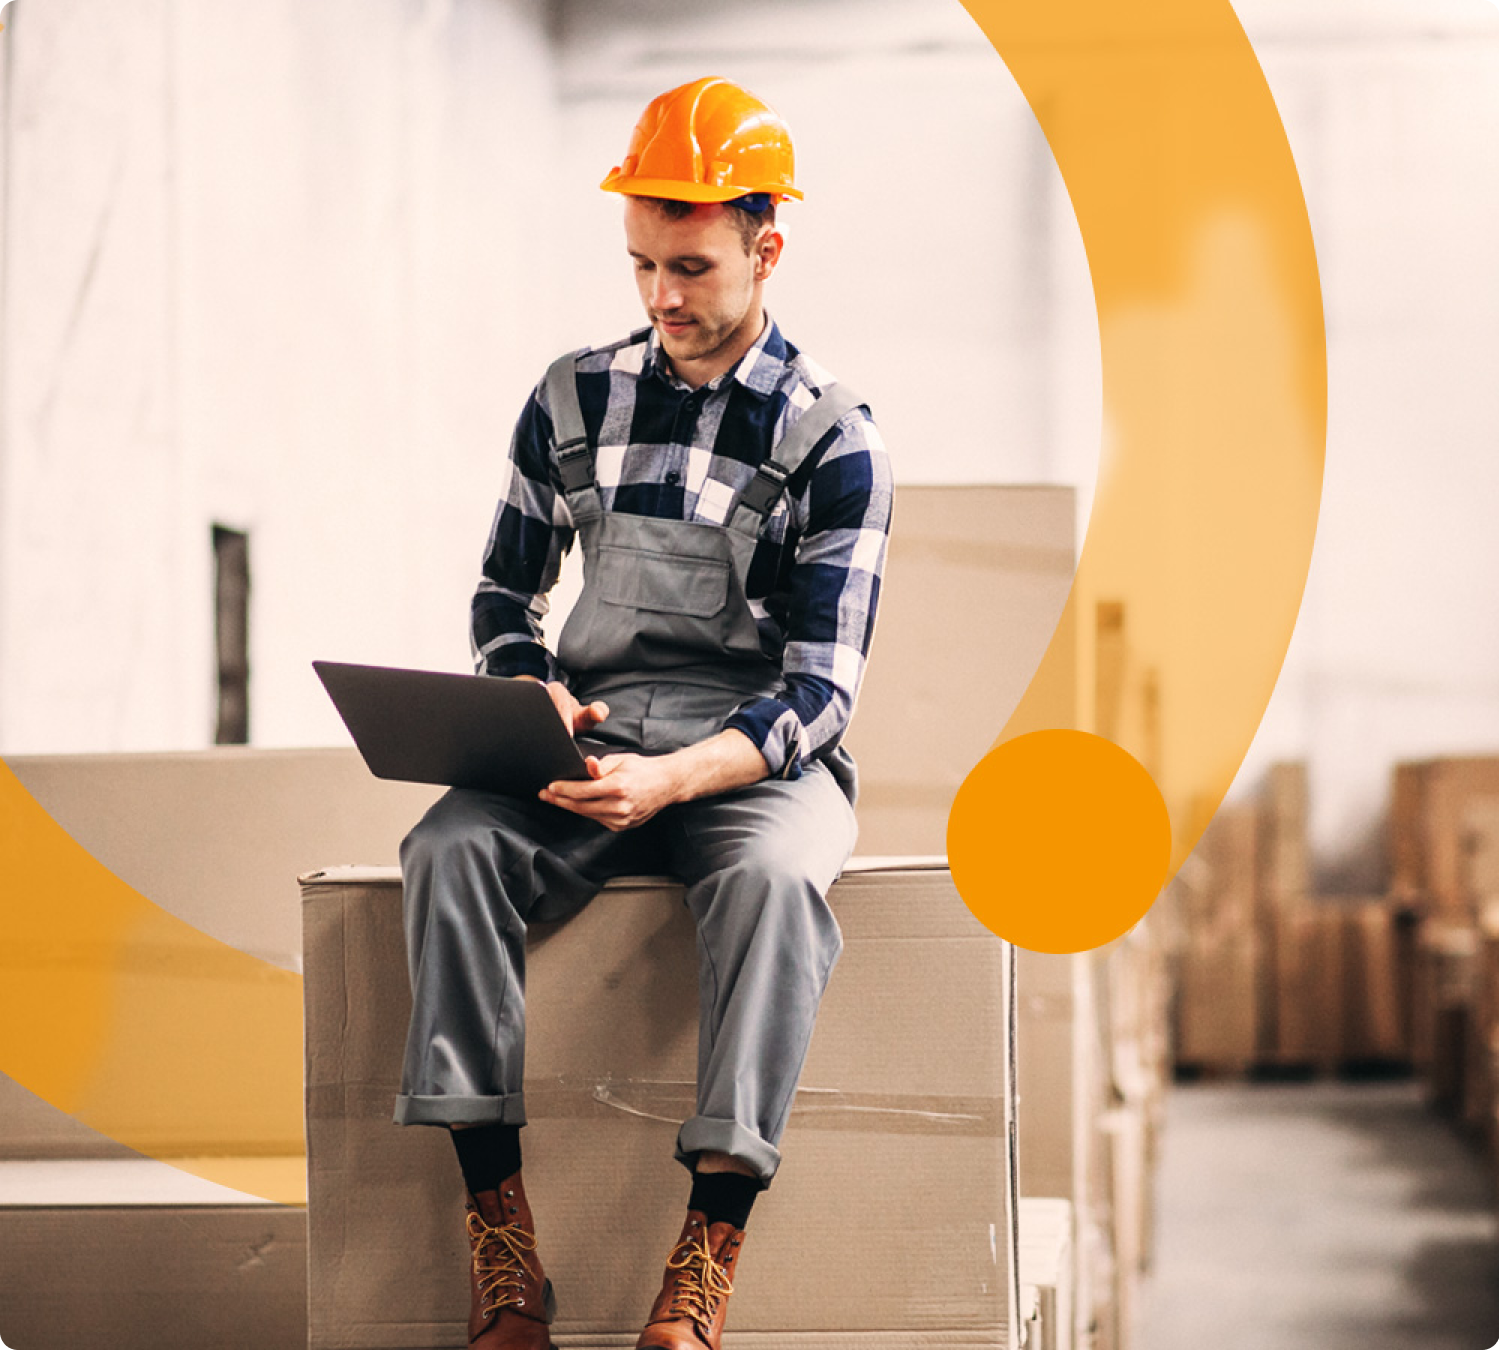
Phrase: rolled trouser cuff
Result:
[454,1110]
[703,1134]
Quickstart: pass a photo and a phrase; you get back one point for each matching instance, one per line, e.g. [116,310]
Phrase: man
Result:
[732,504]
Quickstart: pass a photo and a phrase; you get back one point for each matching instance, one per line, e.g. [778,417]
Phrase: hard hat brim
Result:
[672,189]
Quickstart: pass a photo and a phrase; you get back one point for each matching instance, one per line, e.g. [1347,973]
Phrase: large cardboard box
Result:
[1217,1007]
[132,1255]
[891,1223]
[1376,990]
[1046,1265]
[1434,808]
[1285,867]
[1283,886]
[218,838]
[1312,995]
[1062,1073]
[976,583]
[1445,979]
[1405,836]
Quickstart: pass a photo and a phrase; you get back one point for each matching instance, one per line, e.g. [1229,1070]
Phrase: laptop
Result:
[468,731]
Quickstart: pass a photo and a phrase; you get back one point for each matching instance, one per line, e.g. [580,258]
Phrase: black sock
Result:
[724,1197]
[487,1154]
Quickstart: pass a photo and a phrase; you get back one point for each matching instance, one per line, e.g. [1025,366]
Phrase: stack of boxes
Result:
[1444,848]
[1271,978]
[105,1245]
[1410,977]
[1217,974]
[1092,1078]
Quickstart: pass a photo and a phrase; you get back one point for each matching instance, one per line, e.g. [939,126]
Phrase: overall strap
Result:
[758,500]
[574,454]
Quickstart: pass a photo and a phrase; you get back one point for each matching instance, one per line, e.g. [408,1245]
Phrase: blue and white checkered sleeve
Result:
[834,592]
[532,530]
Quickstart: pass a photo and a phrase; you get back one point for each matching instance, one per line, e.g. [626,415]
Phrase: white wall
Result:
[267,265]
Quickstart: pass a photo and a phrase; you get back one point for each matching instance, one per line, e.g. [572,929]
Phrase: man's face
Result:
[700,289]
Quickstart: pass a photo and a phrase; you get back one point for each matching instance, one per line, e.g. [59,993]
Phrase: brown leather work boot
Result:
[693,1304]
[511,1299]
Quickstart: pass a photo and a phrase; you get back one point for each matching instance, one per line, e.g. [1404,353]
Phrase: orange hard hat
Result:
[708,141]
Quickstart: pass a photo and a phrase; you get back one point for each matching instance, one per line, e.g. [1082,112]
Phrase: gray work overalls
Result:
[663,633]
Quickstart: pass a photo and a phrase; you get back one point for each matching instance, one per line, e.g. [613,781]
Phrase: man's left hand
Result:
[624,791]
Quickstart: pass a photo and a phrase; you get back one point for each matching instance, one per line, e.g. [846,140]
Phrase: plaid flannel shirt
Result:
[667,451]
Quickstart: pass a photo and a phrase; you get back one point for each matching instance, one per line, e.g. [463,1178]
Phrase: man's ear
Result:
[768,253]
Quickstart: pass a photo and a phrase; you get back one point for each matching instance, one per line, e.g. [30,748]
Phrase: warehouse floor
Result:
[1319,1216]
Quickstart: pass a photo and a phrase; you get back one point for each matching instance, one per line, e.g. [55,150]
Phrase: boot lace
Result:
[499,1262]
[702,1283]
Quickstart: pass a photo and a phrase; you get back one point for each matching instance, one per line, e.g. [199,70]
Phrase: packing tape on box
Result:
[671,1103]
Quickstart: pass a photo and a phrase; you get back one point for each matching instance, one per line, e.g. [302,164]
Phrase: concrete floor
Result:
[1319,1216]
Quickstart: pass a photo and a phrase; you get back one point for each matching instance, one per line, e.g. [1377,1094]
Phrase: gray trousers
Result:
[757,864]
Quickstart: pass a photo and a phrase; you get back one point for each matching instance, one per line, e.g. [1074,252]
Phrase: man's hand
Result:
[575,716]
[624,790]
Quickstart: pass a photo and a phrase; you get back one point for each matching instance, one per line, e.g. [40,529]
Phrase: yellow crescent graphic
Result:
[126,1017]
[1215,413]
[1215,401]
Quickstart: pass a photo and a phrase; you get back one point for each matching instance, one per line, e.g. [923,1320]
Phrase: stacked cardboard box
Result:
[1217,984]
[1046,1265]
[1286,1031]
[976,583]
[1405,834]
[1479,871]
[111,1249]
[1446,969]
[1269,976]
[1064,1091]
[910,1079]
[1444,854]
[1134,975]
[1091,1031]
[1485,1042]
[1310,996]
[130,1253]
[1452,796]
[1376,996]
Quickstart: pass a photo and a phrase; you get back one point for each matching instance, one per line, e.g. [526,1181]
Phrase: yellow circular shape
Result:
[1059,841]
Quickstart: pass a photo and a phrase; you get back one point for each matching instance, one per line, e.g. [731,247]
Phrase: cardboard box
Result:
[1481,1093]
[1062,1073]
[218,838]
[1315,999]
[1405,836]
[1013,549]
[1046,1255]
[891,1223]
[1285,871]
[1282,887]
[1376,1013]
[1446,969]
[1433,811]
[86,1258]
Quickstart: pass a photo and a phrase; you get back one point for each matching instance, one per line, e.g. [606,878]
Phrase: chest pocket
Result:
[662,584]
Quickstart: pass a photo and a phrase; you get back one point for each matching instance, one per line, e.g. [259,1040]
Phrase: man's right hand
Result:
[576,717]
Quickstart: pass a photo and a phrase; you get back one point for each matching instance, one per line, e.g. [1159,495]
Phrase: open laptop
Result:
[469,731]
